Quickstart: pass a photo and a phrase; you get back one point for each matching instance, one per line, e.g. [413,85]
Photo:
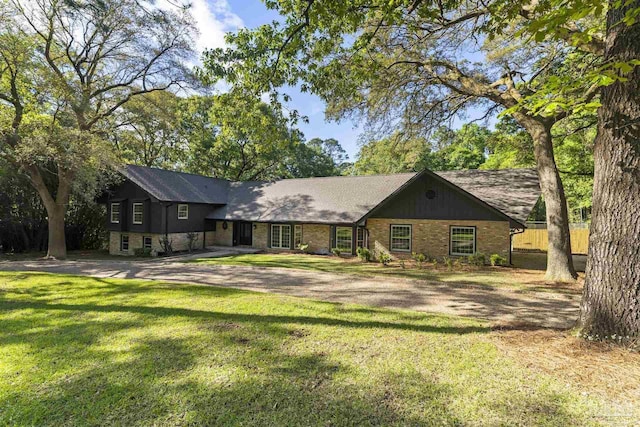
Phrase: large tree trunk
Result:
[56,209]
[559,260]
[57,247]
[611,299]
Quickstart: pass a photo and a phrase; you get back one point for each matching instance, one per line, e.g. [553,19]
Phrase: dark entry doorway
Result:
[242,233]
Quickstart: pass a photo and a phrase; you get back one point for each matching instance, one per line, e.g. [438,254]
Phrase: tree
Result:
[237,136]
[67,67]
[148,130]
[610,308]
[318,157]
[398,65]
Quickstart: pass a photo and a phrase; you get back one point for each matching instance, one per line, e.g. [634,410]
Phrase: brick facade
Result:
[179,242]
[431,237]
[317,236]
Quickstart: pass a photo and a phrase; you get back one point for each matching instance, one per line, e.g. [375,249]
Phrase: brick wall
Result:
[431,237]
[223,237]
[260,233]
[316,236]
[179,242]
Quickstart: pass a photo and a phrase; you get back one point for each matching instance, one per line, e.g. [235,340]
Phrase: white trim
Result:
[111,213]
[391,248]
[350,248]
[187,211]
[296,228]
[461,227]
[133,213]
[280,240]
[150,242]
[122,237]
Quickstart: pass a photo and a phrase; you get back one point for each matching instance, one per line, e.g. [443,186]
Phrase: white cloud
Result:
[213,18]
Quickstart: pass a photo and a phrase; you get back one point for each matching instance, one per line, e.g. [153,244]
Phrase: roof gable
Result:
[511,191]
[170,186]
[335,199]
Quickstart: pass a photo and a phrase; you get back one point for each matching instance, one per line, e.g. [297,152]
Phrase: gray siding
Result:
[448,204]
[157,216]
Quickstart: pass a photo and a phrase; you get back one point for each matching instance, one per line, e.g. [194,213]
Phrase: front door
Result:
[242,233]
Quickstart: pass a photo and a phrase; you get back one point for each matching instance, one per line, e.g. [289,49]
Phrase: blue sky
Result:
[216,17]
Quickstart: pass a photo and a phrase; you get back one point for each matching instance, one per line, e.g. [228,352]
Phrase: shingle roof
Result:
[170,186]
[336,199]
[511,191]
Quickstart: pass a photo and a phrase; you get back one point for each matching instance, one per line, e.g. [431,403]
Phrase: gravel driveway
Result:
[499,306]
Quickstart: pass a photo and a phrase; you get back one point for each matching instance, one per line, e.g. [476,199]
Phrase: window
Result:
[138,211]
[401,238]
[344,238]
[115,213]
[297,236]
[183,211]
[124,242]
[280,236]
[463,240]
[147,242]
[360,238]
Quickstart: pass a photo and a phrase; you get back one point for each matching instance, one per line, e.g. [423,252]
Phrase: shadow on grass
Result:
[235,317]
[130,364]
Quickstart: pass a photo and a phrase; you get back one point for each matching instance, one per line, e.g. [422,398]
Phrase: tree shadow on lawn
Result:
[125,364]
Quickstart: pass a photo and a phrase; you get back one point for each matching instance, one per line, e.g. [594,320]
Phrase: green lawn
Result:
[464,275]
[85,351]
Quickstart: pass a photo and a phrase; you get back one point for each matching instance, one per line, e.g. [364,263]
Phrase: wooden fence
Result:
[538,239]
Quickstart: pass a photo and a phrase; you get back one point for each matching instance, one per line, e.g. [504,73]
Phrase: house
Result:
[455,213]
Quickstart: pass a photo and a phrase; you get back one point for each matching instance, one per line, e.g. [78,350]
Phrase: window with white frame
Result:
[463,240]
[401,238]
[124,242]
[147,242]
[138,213]
[344,238]
[280,236]
[360,243]
[115,213]
[183,211]
[297,235]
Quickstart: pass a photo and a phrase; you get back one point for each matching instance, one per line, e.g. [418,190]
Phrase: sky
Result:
[216,17]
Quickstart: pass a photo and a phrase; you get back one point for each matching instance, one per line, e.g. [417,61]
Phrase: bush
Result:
[166,243]
[192,239]
[384,258]
[478,259]
[448,262]
[336,251]
[419,258]
[303,247]
[364,254]
[497,259]
[142,252]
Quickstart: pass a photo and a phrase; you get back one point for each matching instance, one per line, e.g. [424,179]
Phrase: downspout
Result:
[513,232]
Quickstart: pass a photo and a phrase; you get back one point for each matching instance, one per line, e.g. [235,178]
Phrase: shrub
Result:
[419,258]
[447,261]
[336,251]
[364,254]
[141,252]
[166,244]
[497,259]
[434,262]
[478,259]
[384,258]
[303,247]
[192,239]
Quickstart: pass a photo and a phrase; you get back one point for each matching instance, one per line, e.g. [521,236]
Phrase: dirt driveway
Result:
[499,306]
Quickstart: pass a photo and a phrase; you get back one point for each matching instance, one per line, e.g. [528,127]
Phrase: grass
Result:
[87,351]
[504,277]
